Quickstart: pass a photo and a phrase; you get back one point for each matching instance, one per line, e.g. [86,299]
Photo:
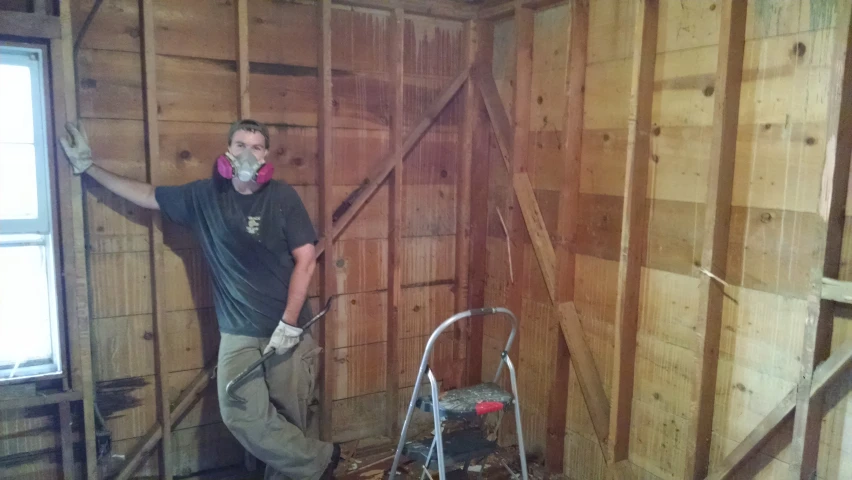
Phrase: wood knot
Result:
[444,174]
[712,7]
[765,217]
[353,301]
[340,263]
[709,90]
[148,336]
[540,100]
[657,131]
[767,126]
[185,154]
[416,308]
[810,140]
[281,151]
[606,137]
[298,161]
[799,49]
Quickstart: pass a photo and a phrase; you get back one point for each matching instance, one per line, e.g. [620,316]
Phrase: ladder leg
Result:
[405,424]
[436,416]
[517,403]
[428,459]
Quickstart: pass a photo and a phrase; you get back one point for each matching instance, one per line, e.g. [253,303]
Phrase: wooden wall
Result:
[197,98]
[779,157]
[362,94]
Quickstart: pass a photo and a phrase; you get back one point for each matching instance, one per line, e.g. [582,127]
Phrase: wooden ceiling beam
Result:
[447,9]
[507,9]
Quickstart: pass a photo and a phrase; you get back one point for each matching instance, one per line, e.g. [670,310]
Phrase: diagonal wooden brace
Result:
[383,169]
[581,355]
[824,375]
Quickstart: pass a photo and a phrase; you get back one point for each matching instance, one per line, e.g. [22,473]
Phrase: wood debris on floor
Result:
[375,464]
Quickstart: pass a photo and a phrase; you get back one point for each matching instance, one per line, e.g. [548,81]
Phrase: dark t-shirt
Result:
[247,241]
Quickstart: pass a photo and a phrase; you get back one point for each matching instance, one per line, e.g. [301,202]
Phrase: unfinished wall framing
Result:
[780,149]
[656,188]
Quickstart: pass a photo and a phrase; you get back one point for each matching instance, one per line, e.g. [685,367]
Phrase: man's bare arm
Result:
[76,146]
[140,193]
[300,279]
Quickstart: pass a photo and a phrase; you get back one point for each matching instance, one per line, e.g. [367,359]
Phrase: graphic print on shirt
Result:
[253,225]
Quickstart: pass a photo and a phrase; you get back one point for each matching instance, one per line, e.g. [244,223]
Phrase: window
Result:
[29,327]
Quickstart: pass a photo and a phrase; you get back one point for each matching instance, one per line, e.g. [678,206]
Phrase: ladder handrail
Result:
[425,362]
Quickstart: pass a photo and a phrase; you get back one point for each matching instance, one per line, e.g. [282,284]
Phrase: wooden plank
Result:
[717,217]
[634,226]
[358,370]
[584,366]
[149,68]
[522,93]
[181,406]
[537,230]
[326,169]
[816,344]
[496,110]
[384,167]
[123,347]
[836,290]
[430,8]
[396,40]
[506,9]
[243,58]
[484,37]
[67,440]
[823,377]
[29,25]
[9,403]
[73,241]
[463,207]
[567,213]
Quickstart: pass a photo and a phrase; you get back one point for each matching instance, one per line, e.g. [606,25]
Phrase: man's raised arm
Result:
[76,146]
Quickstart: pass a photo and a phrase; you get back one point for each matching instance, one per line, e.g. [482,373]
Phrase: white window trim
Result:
[36,231]
[33,59]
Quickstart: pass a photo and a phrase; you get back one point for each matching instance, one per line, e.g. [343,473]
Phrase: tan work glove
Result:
[284,338]
[76,146]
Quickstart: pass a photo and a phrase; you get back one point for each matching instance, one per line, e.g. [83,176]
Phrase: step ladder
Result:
[463,446]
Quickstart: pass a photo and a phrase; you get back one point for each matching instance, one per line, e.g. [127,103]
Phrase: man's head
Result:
[249,134]
[245,160]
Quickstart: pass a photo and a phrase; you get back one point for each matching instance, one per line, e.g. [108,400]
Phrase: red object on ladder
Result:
[487,407]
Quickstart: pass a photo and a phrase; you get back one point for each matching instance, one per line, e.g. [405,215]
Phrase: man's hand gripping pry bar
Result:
[233,384]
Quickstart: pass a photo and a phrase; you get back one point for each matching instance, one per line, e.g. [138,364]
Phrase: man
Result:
[260,245]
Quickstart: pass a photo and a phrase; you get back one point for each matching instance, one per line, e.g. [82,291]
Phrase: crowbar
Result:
[233,384]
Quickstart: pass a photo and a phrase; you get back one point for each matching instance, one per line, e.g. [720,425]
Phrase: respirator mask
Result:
[244,166]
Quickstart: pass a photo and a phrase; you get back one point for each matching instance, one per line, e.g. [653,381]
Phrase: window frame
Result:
[48,222]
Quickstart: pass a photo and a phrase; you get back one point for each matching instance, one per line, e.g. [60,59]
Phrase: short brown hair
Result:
[249,126]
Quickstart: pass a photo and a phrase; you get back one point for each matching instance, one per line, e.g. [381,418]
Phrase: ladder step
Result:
[459,447]
[475,400]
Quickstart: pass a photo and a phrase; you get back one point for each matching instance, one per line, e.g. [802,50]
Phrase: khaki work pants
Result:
[275,424]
